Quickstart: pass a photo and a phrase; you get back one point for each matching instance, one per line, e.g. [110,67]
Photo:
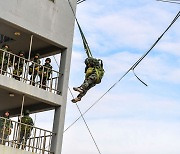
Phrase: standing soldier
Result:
[4,58]
[34,69]
[94,73]
[18,65]
[25,129]
[45,73]
[5,127]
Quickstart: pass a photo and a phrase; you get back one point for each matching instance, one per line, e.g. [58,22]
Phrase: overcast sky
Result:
[131,118]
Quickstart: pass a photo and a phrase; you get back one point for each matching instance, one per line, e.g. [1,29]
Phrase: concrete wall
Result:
[36,93]
[53,21]
[10,150]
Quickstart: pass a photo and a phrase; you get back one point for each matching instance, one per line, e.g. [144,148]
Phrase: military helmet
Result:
[89,61]
[37,54]
[5,114]
[48,59]
[21,52]
[5,45]
[26,112]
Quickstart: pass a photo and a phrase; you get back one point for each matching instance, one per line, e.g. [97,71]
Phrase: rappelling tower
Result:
[36,26]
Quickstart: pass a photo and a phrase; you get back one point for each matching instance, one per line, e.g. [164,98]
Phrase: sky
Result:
[131,118]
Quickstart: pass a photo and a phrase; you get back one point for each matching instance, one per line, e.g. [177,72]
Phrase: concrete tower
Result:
[34,26]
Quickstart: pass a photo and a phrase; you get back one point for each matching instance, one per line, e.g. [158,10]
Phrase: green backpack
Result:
[99,70]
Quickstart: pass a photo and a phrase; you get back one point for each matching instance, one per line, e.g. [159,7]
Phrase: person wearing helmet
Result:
[91,78]
[25,129]
[18,65]
[45,73]
[4,58]
[34,68]
[5,127]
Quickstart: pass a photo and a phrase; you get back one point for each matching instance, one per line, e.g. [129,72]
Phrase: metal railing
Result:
[22,136]
[29,72]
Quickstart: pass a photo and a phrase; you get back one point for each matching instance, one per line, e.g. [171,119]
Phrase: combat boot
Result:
[77,99]
[79,89]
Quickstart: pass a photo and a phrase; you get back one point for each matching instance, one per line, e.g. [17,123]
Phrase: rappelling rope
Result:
[85,43]
[85,123]
[131,68]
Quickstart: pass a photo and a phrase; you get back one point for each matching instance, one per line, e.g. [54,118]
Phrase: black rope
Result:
[85,43]
[131,68]
[139,78]
[80,1]
[168,1]
[85,123]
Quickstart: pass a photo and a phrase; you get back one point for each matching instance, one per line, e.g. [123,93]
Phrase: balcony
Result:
[15,79]
[16,67]
[38,140]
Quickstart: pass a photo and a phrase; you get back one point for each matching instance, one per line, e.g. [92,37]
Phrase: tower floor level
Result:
[32,34]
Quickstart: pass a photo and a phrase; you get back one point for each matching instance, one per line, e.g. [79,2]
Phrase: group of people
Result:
[35,69]
[25,127]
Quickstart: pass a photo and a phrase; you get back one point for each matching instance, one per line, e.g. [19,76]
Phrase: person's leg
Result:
[25,140]
[44,83]
[87,84]
[33,77]
[20,139]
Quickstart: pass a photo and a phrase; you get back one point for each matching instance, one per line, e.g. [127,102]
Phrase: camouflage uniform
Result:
[25,131]
[5,55]
[89,82]
[5,126]
[18,66]
[90,79]
[45,73]
[34,68]
[94,73]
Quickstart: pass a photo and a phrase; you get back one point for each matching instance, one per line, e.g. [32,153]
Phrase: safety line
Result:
[85,123]
[80,1]
[175,2]
[81,115]
[131,68]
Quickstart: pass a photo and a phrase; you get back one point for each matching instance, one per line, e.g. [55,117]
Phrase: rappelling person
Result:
[25,129]
[18,65]
[5,127]
[94,73]
[34,68]
[45,73]
[4,58]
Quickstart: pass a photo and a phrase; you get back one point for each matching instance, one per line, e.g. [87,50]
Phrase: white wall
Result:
[53,21]
[9,150]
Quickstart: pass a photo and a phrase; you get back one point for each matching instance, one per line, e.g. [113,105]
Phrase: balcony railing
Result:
[29,72]
[22,136]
